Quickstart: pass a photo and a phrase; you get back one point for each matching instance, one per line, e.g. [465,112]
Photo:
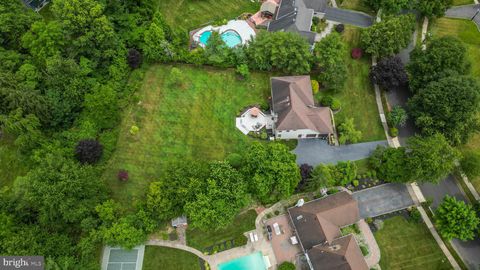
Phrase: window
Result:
[299,135]
[311,135]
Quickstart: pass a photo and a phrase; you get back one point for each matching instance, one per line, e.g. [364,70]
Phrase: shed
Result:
[179,221]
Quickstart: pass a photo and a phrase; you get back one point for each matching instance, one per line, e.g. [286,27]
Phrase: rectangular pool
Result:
[253,261]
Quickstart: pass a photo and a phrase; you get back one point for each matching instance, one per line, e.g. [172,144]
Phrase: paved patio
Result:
[249,122]
[282,247]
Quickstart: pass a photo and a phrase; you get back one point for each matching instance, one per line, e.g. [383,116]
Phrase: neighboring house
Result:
[317,225]
[294,112]
[296,16]
[36,4]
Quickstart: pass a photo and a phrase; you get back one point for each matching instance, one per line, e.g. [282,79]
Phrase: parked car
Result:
[269,232]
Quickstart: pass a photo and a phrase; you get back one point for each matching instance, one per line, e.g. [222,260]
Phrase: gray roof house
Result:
[317,225]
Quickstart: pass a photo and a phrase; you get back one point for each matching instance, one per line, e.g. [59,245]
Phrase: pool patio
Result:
[240,27]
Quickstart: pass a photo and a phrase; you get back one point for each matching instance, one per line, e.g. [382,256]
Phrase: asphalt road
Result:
[465,12]
[346,16]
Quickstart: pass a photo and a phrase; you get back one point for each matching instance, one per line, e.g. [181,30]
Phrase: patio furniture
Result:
[293,240]
[276,228]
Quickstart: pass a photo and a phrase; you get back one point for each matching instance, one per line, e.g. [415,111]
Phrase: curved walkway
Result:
[171,244]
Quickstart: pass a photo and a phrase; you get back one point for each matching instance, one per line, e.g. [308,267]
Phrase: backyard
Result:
[358,96]
[408,245]
[191,14]
[191,121]
[169,259]
[216,240]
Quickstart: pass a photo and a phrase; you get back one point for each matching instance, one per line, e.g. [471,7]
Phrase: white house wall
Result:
[293,134]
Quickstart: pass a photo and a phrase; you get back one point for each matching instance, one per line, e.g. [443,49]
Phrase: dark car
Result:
[269,232]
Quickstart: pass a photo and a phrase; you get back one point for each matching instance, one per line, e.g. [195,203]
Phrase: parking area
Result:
[282,246]
[383,199]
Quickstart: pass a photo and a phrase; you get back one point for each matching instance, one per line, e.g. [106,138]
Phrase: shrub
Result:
[240,240]
[470,164]
[88,151]
[276,212]
[357,53]
[389,73]
[331,102]
[243,71]
[340,28]
[235,160]
[348,133]
[355,183]
[176,77]
[315,86]
[134,130]
[286,266]
[415,215]
[122,175]
[134,58]
[315,20]
[364,250]
[263,134]
[394,132]
[397,117]
[369,220]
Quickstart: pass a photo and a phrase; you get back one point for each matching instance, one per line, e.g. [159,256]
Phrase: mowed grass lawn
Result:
[169,259]
[195,121]
[358,5]
[192,14]
[462,2]
[408,245]
[358,96]
[11,165]
[203,239]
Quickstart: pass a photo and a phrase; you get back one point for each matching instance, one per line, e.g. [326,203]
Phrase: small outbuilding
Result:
[179,222]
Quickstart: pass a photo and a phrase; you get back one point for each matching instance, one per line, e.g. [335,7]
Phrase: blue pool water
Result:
[231,38]
[253,261]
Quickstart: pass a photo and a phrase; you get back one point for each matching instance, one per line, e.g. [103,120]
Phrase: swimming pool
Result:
[253,261]
[230,37]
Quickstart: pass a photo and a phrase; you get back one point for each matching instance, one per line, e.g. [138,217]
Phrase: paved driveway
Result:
[316,151]
[465,12]
[382,199]
[346,16]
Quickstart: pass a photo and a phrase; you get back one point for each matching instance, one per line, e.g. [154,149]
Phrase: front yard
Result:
[408,245]
[214,241]
[358,96]
[169,259]
[195,121]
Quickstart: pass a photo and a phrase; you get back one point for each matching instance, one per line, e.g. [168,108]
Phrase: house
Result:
[317,226]
[294,112]
[296,16]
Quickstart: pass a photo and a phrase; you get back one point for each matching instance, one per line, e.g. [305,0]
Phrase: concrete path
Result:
[316,151]
[171,244]
[347,16]
[465,12]
[424,33]
[325,32]
[373,257]
[383,199]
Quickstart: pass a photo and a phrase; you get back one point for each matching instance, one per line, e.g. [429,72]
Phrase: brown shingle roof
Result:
[343,253]
[292,101]
[318,224]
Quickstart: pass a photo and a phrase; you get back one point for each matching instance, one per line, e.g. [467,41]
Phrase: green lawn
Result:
[355,5]
[169,259]
[462,2]
[11,165]
[358,96]
[191,14]
[203,239]
[408,245]
[193,122]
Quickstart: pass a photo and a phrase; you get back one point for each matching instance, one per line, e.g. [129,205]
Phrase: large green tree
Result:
[432,8]
[448,106]
[15,20]
[271,171]
[390,164]
[330,57]
[443,56]
[284,51]
[455,219]
[390,7]
[389,36]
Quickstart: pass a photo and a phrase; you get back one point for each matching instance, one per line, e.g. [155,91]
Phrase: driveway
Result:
[465,12]
[346,16]
[316,151]
[469,250]
[383,199]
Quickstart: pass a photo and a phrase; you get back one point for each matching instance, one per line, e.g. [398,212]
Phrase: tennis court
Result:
[122,259]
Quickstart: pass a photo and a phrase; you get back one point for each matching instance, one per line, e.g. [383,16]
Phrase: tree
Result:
[344,172]
[271,170]
[470,164]
[348,133]
[305,172]
[123,233]
[455,219]
[286,266]
[321,177]
[134,58]
[156,46]
[390,164]
[88,151]
[432,8]
[430,158]
[15,20]
[443,56]
[449,106]
[101,106]
[284,51]
[44,40]
[389,36]
[389,73]
[330,57]
[397,116]
[389,7]
[219,200]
